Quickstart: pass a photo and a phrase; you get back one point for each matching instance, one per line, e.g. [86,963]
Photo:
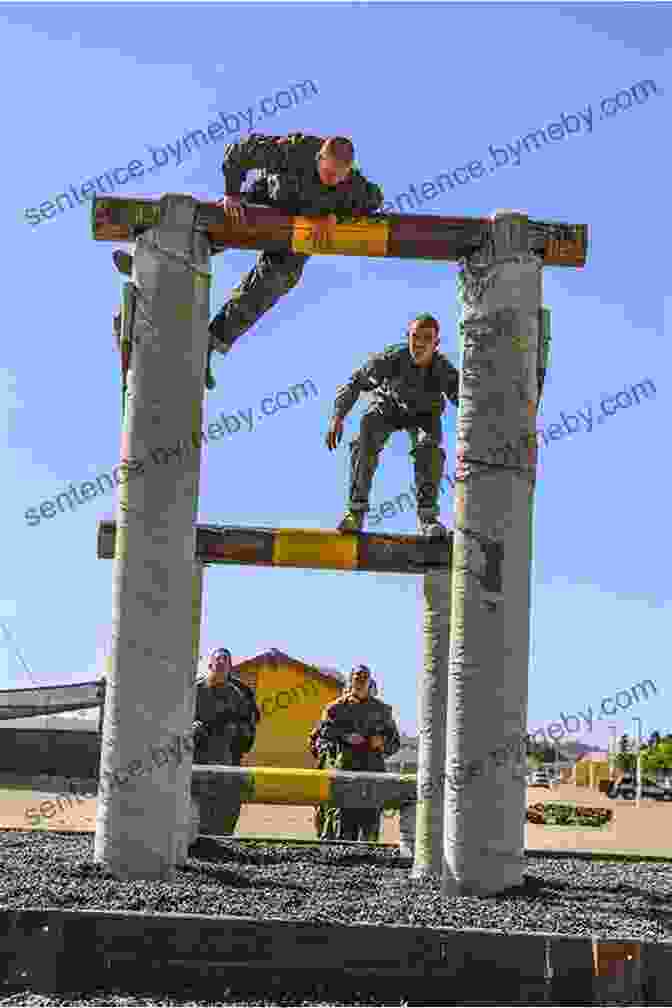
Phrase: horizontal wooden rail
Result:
[394,236]
[308,548]
[48,949]
[294,786]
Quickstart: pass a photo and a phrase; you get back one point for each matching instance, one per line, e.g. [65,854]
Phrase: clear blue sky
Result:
[422,90]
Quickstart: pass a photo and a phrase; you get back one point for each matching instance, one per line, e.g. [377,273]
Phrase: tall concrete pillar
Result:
[190,812]
[139,825]
[489,650]
[432,698]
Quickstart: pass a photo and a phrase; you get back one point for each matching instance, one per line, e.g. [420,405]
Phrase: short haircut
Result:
[340,148]
[426,320]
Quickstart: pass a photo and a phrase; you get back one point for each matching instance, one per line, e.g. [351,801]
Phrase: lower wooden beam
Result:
[318,549]
[295,786]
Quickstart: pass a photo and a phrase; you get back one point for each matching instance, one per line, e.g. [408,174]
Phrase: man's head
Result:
[423,339]
[219,667]
[360,680]
[334,161]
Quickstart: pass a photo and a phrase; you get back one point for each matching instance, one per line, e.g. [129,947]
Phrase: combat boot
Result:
[353,521]
[116,329]
[123,261]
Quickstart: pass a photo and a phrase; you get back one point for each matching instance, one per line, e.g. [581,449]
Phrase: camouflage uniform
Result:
[323,818]
[369,717]
[290,182]
[403,397]
[225,727]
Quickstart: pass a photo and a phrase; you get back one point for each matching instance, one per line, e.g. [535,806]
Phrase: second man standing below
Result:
[408,383]
[225,727]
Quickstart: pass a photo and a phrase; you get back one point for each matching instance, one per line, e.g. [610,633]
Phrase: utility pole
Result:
[638,744]
[612,752]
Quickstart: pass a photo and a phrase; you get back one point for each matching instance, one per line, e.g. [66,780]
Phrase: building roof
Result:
[273,656]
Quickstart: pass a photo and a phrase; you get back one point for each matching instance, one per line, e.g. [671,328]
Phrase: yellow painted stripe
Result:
[358,238]
[120,539]
[289,786]
[328,550]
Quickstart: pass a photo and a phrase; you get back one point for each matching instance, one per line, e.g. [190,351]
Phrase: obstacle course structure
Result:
[155,543]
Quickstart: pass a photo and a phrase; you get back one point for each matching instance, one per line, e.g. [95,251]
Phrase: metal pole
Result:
[146,728]
[639,760]
[490,612]
[612,752]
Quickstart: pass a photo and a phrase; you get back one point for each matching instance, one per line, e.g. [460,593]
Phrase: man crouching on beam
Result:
[300,175]
[408,383]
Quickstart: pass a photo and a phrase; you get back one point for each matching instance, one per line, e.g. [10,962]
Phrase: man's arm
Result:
[269,153]
[377,369]
[362,198]
[390,733]
[450,381]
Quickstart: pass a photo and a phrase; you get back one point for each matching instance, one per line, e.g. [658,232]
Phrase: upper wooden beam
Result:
[393,236]
[308,548]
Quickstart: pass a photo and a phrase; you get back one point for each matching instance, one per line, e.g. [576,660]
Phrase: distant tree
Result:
[658,757]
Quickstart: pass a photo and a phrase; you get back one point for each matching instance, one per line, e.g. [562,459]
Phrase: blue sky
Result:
[422,90]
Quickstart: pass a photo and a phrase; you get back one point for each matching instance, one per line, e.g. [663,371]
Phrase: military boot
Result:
[123,261]
[116,329]
[353,521]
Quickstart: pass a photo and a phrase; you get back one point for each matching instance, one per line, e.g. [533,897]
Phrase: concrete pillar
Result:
[407,832]
[432,699]
[489,650]
[190,814]
[141,800]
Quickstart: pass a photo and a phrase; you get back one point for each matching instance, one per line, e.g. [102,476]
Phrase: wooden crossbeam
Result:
[308,548]
[394,236]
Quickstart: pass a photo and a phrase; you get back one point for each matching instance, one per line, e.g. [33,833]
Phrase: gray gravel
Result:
[346,885]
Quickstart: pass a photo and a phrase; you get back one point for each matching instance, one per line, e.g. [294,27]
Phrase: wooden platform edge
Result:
[75,950]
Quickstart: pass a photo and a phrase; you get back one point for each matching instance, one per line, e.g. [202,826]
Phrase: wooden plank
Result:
[319,549]
[295,786]
[396,236]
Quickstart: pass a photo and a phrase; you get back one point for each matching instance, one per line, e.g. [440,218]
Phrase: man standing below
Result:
[410,383]
[300,175]
[357,732]
[225,725]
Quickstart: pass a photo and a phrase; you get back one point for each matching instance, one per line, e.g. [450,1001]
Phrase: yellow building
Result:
[291,696]
[591,770]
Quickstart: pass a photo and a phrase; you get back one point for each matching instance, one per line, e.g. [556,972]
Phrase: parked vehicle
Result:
[626,788]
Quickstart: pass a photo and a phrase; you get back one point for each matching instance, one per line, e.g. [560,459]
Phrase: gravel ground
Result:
[346,885]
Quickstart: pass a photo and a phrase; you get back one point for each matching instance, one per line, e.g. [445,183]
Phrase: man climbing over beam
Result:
[301,175]
[408,383]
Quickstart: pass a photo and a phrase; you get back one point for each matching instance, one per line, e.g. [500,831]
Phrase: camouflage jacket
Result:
[225,721]
[365,717]
[393,378]
[289,178]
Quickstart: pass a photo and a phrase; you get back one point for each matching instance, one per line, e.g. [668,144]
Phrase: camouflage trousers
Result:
[274,275]
[333,823]
[429,458]
[218,818]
